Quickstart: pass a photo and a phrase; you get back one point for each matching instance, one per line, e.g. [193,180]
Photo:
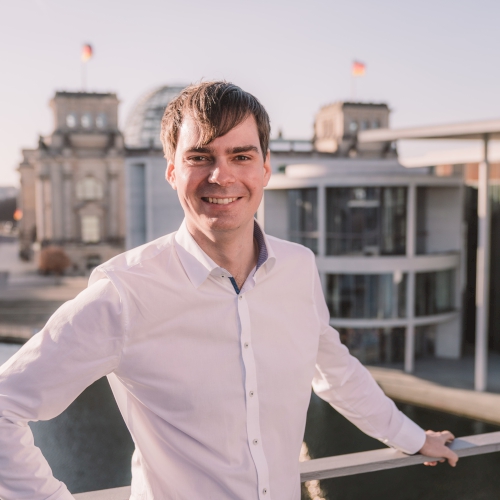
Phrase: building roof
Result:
[469,130]
[355,104]
[461,156]
[62,93]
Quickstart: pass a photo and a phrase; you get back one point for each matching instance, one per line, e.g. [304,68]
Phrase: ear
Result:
[267,168]
[170,174]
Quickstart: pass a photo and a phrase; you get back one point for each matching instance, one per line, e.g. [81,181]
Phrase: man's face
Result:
[220,185]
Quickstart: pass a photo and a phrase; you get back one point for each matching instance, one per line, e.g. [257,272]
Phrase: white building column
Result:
[40,209]
[321,221]
[411,238]
[410,328]
[69,231]
[322,231]
[482,272]
[58,206]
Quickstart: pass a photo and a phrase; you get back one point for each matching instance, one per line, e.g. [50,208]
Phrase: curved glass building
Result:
[142,129]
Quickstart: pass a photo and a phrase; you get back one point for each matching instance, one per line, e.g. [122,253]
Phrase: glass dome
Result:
[142,129]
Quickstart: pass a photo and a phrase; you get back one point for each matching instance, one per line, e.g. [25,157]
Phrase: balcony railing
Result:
[354,463]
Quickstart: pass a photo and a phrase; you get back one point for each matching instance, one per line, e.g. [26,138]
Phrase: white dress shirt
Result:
[213,385]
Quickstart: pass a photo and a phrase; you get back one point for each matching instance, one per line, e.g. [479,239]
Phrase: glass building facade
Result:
[359,296]
[303,217]
[434,292]
[366,221]
[375,345]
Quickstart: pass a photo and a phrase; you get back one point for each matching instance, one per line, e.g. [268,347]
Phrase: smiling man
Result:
[210,336]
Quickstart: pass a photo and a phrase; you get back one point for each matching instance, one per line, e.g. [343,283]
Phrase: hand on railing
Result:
[435,446]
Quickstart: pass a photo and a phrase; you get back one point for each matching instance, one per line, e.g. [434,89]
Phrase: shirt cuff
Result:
[410,438]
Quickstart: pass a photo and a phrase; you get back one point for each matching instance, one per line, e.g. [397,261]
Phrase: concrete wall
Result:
[153,207]
[442,212]
[276,213]
[449,339]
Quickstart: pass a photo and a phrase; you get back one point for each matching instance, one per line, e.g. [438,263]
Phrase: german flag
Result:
[86,52]
[358,68]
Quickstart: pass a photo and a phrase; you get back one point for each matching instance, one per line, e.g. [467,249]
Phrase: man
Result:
[210,336]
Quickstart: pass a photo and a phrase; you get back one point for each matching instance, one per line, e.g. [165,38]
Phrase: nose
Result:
[221,173]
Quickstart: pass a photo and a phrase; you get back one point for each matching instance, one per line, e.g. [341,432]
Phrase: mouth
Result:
[219,201]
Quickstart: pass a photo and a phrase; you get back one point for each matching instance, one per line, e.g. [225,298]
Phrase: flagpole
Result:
[84,77]
[87,53]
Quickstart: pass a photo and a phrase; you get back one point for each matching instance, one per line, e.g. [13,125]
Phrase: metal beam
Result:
[468,131]
[482,272]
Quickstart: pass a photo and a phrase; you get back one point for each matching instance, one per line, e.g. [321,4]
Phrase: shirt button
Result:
[255,441]
[245,345]
[251,393]
[240,297]
[264,491]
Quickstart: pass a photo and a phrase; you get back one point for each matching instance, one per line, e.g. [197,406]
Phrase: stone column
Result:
[482,272]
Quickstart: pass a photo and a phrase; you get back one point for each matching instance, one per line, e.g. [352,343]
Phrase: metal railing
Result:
[354,463]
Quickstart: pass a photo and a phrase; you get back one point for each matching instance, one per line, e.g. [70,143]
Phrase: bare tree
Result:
[53,260]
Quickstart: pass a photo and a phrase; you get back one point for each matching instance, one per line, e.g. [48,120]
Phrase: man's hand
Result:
[435,446]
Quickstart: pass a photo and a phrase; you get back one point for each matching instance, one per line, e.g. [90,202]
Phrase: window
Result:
[360,296]
[375,123]
[86,120]
[375,345]
[365,124]
[434,292]
[425,341]
[366,221]
[88,189]
[303,217]
[353,126]
[90,229]
[71,120]
[101,120]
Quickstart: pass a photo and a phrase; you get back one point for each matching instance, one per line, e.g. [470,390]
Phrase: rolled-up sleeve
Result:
[80,343]
[341,380]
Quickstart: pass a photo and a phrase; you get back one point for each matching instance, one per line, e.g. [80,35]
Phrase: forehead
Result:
[245,133]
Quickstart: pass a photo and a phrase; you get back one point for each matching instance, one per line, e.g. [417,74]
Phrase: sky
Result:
[432,61]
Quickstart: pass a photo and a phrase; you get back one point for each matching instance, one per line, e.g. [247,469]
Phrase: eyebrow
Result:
[229,151]
[242,149]
[201,149]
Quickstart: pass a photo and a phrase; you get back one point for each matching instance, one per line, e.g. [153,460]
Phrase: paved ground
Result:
[27,300]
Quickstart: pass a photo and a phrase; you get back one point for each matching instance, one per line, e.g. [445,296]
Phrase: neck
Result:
[235,250]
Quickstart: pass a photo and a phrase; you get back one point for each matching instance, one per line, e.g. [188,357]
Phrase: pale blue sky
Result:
[432,61]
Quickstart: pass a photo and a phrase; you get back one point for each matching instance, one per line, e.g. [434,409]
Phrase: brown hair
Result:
[216,107]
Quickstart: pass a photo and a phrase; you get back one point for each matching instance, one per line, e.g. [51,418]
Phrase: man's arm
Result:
[80,343]
[341,380]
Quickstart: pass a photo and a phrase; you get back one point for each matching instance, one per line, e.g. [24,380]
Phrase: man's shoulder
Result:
[288,251]
[142,257]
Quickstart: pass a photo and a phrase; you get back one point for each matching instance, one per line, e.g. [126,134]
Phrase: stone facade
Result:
[337,125]
[72,185]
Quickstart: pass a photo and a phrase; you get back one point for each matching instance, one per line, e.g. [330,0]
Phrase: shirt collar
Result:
[198,265]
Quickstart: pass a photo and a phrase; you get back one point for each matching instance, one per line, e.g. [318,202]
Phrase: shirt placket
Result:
[252,401]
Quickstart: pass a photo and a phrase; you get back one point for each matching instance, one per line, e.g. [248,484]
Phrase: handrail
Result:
[353,463]
[371,461]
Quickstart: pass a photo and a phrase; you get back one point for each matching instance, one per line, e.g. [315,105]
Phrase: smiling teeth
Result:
[221,201]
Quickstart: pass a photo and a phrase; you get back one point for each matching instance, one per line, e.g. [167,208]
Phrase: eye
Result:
[197,159]
[242,158]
